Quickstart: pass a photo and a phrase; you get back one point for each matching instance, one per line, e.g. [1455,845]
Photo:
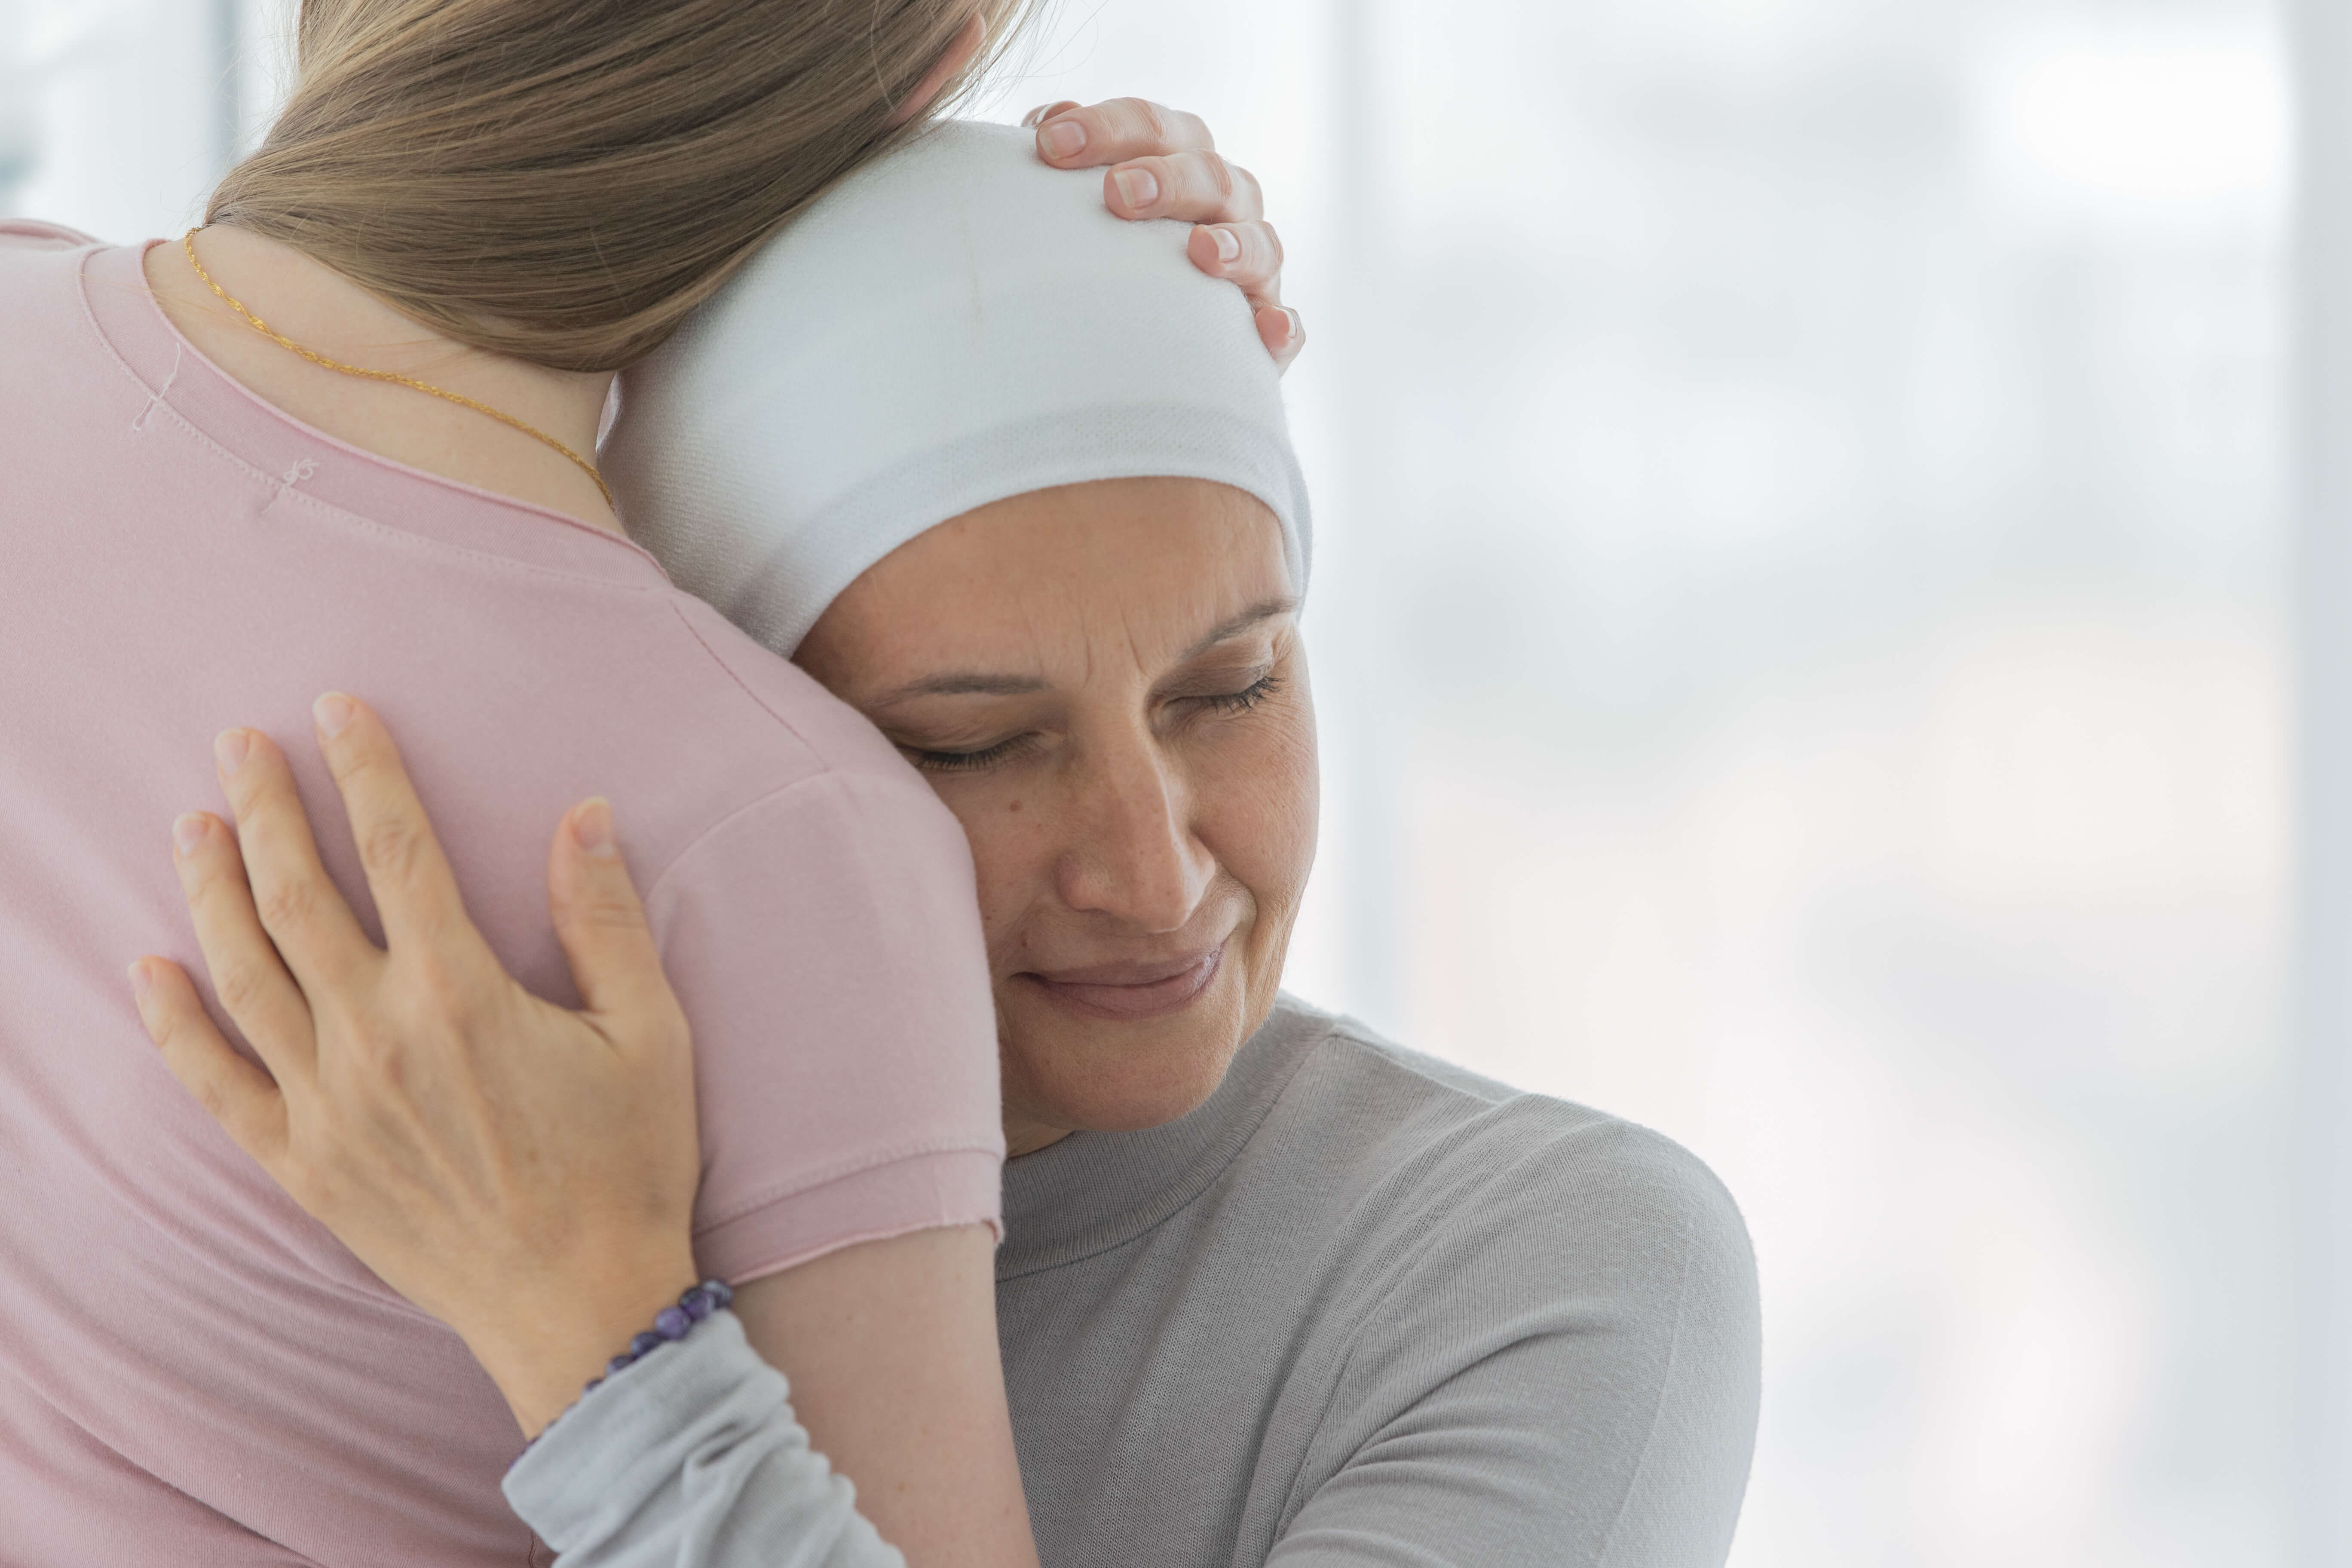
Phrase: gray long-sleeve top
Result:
[1360,1308]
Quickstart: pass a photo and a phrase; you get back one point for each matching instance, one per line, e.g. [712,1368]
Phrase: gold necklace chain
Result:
[282,341]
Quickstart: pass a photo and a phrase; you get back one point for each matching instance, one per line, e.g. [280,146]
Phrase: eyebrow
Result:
[1265,610]
[963,684]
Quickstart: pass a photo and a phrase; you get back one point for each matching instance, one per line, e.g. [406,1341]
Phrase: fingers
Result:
[247,972]
[302,910]
[1247,255]
[1166,165]
[235,1093]
[599,920]
[1195,187]
[415,894]
[1282,332]
[1070,137]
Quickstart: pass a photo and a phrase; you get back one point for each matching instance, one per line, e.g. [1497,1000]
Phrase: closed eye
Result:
[964,762]
[1249,697]
[934,760]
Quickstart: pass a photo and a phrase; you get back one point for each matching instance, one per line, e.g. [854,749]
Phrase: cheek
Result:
[1011,833]
[1257,812]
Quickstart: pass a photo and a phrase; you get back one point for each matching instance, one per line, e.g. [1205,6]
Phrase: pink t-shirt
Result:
[192,1372]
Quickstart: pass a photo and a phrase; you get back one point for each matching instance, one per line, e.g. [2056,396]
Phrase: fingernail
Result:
[1065,138]
[140,983]
[1229,245]
[229,749]
[591,825]
[332,714]
[1137,187]
[1297,327]
[189,831]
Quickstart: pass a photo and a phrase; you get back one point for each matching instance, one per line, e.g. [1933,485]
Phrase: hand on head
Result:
[1163,164]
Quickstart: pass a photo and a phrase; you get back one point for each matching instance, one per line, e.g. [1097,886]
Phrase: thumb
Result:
[599,920]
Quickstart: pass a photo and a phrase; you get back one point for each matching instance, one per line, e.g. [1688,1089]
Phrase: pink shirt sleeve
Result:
[826,942]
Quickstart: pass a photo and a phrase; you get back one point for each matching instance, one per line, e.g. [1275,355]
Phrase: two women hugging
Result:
[913,673]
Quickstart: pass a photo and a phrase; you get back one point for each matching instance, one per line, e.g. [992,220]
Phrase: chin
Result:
[1099,1074]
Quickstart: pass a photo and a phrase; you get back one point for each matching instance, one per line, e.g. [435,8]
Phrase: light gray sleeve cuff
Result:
[692,1458]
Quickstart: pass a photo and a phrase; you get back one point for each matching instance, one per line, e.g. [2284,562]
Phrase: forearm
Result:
[692,1458]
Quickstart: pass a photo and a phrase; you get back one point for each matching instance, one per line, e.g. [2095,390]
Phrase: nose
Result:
[1135,857]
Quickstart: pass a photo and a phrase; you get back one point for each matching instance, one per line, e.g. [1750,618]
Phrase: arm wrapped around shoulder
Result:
[1562,1365]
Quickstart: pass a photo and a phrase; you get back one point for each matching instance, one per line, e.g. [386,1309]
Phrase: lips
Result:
[1128,992]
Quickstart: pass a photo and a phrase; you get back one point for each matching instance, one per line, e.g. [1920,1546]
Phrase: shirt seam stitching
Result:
[743,686]
[1650,1432]
[284,490]
[828,774]
[903,1154]
[1294,1502]
[1394,1056]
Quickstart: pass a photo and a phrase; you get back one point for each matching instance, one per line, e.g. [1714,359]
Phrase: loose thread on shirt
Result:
[161,393]
[299,470]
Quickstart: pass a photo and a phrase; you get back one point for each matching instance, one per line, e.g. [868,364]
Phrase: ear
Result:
[950,64]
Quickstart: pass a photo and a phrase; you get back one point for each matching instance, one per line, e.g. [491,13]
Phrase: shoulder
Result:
[19,234]
[38,261]
[1558,1189]
[802,856]
[767,756]
[832,737]
[1568,1298]
[40,277]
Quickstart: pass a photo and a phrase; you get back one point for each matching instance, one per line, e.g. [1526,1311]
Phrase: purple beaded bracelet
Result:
[670,1325]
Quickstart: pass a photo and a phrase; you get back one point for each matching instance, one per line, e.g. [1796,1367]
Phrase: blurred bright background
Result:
[1805,498]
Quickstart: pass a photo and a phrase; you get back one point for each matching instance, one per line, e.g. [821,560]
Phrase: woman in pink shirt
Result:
[503,201]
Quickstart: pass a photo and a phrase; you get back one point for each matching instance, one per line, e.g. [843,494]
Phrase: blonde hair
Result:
[566,181]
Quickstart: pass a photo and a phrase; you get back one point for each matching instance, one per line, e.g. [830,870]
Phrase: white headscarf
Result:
[952,325]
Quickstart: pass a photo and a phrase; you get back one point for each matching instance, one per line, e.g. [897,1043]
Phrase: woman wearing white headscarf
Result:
[1012,480]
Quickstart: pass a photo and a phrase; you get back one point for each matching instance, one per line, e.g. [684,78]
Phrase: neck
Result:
[1024,1136]
[328,314]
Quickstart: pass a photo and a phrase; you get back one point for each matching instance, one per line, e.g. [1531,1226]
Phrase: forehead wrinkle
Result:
[954,675]
[1263,611]
[1074,618]
[1061,615]
[1047,619]
[1134,643]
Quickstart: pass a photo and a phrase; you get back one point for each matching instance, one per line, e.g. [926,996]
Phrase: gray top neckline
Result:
[1095,1191]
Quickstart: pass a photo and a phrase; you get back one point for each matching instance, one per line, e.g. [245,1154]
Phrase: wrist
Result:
[543,1346]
